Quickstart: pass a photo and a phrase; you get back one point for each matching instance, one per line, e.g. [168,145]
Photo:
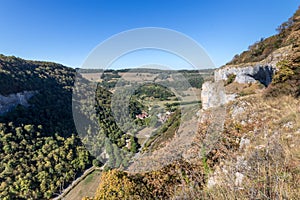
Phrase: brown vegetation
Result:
[261,49]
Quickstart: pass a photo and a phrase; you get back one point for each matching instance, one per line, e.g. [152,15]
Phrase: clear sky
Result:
[65,31]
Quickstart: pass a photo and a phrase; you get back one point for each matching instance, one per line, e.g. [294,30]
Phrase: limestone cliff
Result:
[262,71]
[214,94]
[11,101]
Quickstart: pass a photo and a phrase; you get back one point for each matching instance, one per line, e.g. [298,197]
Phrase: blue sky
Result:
[66,31]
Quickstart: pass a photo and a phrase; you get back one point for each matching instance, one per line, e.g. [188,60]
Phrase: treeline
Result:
[154,91]
[287,79]
[144,70]
[17,75]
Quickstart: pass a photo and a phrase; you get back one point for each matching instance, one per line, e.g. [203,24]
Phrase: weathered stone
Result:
[239,178]
[247,74]
[262,71]
[9,102]
[213,94]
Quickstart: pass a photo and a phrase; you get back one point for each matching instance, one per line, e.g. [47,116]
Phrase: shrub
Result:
[230,79]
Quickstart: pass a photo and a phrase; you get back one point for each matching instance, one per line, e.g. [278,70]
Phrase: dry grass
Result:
[270,163]
[92,76]
[244,89]
[87,187]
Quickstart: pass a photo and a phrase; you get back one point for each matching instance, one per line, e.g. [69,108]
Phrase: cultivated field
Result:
[92,76]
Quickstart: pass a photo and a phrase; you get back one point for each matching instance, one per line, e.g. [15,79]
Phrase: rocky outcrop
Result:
[262,71]
[213,94]
[9,102]
[247,74]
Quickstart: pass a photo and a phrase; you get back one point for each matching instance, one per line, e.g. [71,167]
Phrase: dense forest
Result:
[153,91]
[40,150]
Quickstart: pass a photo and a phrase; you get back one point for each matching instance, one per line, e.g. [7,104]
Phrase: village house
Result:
[143,115]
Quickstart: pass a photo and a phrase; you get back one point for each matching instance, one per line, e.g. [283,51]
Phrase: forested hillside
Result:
[41,150]
[40,153]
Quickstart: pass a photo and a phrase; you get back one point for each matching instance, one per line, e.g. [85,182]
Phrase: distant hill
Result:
[18,75]
[144,70]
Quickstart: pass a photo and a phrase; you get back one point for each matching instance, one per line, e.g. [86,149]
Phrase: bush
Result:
[96,163]
[230,79]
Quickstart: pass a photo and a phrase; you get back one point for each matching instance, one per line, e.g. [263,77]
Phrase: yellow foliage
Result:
[115,185]
[285,72]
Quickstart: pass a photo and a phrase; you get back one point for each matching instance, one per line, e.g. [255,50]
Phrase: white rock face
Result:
[262,71]
[11,101]
[244,142]
[213,94]
[247,74]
